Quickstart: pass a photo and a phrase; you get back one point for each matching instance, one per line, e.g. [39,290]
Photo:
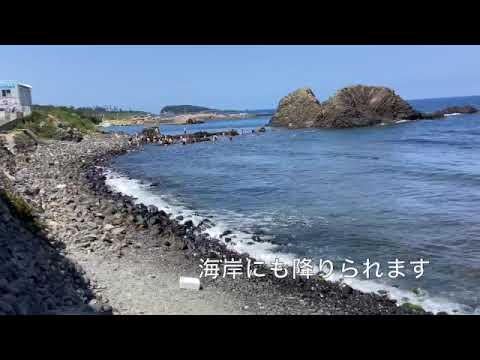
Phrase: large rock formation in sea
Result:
[350,107]
[298,109]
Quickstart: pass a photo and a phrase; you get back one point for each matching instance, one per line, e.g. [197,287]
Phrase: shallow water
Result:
[405,191]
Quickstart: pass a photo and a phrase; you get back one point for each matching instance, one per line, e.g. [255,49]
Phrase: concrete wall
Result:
[5,118]
[25,99]
[9,122]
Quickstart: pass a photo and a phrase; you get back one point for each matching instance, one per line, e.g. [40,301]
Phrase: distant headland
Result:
[171,110]
[187,114]
[185,109]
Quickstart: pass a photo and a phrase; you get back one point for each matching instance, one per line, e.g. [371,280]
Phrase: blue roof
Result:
[11,84]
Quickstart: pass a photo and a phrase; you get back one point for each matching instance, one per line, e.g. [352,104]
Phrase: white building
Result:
[15,101]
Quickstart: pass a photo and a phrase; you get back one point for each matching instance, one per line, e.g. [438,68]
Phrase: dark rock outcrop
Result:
[467,109]
[194,121]
[364,106]
[350,107]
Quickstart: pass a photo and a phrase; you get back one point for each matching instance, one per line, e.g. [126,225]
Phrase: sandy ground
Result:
[151,286]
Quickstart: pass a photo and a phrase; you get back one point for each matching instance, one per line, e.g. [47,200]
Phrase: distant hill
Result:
[192,109]
[262,112]
[185,109]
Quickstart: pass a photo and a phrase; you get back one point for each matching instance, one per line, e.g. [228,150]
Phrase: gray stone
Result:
[108,227]
[118,231]
[6,308]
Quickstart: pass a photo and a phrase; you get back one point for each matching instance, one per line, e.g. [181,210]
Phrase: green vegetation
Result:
[413,308]
[21,209]
[78,117]
[48,121]
[39,124]
[111,113]
[185,109]
[23,141]
[97,113]
[416,291]
[22,138]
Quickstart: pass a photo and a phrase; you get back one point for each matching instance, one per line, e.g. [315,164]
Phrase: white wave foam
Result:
[433,304]
[452,114]
[241,241]
[264,251]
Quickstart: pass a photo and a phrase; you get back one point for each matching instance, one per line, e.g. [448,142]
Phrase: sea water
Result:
[407,191]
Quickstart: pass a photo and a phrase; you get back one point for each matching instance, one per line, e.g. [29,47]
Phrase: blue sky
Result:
[233,77]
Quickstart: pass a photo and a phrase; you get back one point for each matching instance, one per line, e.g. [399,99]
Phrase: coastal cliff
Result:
[354,106]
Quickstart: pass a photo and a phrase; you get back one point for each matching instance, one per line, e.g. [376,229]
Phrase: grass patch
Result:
[23,142]
[413,308]
[40,124]
[22,210]
[48,121]
[22,138]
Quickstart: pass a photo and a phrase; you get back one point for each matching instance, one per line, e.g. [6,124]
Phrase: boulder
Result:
[68,134]
[298,109]
[360,105]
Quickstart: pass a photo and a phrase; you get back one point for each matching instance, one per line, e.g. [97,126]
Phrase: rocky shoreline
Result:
[181,119]
[131,255]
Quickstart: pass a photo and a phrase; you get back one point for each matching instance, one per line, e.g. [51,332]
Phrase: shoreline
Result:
[182,119]
[105,230]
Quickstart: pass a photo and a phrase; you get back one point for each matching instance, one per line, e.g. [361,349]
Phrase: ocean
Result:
[409,191]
